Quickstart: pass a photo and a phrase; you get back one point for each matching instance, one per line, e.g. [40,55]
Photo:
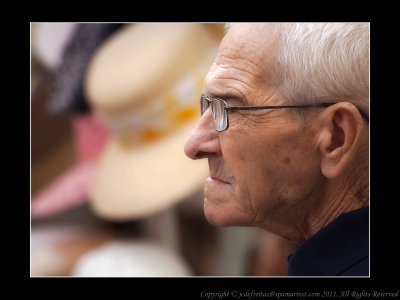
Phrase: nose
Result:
[203,142]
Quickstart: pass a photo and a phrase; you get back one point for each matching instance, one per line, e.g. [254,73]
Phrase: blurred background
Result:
[110,194]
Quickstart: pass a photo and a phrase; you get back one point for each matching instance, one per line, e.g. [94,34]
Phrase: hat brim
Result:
[141,181]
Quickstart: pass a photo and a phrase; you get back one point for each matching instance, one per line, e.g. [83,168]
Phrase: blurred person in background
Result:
[285,129]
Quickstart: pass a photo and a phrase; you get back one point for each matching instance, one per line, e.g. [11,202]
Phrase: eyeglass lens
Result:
[218,112]
[219,115]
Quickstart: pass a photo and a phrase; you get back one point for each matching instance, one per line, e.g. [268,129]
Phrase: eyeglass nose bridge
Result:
[205,103]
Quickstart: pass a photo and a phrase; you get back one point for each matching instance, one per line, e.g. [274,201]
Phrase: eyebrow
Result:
[228,97]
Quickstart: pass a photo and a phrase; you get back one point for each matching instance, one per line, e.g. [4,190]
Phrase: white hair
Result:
[317,62]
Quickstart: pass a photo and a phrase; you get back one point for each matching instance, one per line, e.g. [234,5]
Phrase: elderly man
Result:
[284,127]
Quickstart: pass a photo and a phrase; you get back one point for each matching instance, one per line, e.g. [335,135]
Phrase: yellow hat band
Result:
[160,117]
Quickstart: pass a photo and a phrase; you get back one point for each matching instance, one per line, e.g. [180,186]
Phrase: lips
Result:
[217,179]
[220,175]
[217,191]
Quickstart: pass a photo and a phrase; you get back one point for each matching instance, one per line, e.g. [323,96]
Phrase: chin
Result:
[218,215]
[216,220]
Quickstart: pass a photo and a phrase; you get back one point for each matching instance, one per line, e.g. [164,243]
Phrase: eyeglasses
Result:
[220,110]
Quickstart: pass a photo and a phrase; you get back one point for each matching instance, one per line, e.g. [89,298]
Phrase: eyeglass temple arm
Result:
[278,106]
[231,108]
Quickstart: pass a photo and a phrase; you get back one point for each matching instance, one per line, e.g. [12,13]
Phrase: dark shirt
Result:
[339,249]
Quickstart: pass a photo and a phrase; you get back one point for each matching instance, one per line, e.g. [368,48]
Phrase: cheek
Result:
[270,169]
[292,171]
[250,164]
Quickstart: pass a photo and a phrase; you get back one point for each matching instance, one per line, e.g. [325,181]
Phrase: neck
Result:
[343,198]
[335,197]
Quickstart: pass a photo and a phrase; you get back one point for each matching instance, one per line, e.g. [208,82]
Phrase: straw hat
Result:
[144,82]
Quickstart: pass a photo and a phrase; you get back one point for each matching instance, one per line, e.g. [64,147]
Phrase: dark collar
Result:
[335,248]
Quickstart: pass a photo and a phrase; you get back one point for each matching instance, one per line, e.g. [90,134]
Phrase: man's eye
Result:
[233,102]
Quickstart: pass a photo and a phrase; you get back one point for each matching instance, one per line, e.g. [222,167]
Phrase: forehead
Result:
[241,61]
[247,41]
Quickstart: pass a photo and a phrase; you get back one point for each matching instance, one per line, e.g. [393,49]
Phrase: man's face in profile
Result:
[266,162]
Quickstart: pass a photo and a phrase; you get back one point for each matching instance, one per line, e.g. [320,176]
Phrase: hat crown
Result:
[138,63]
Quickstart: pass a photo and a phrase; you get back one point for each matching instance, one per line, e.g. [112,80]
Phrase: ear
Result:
[339,137]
